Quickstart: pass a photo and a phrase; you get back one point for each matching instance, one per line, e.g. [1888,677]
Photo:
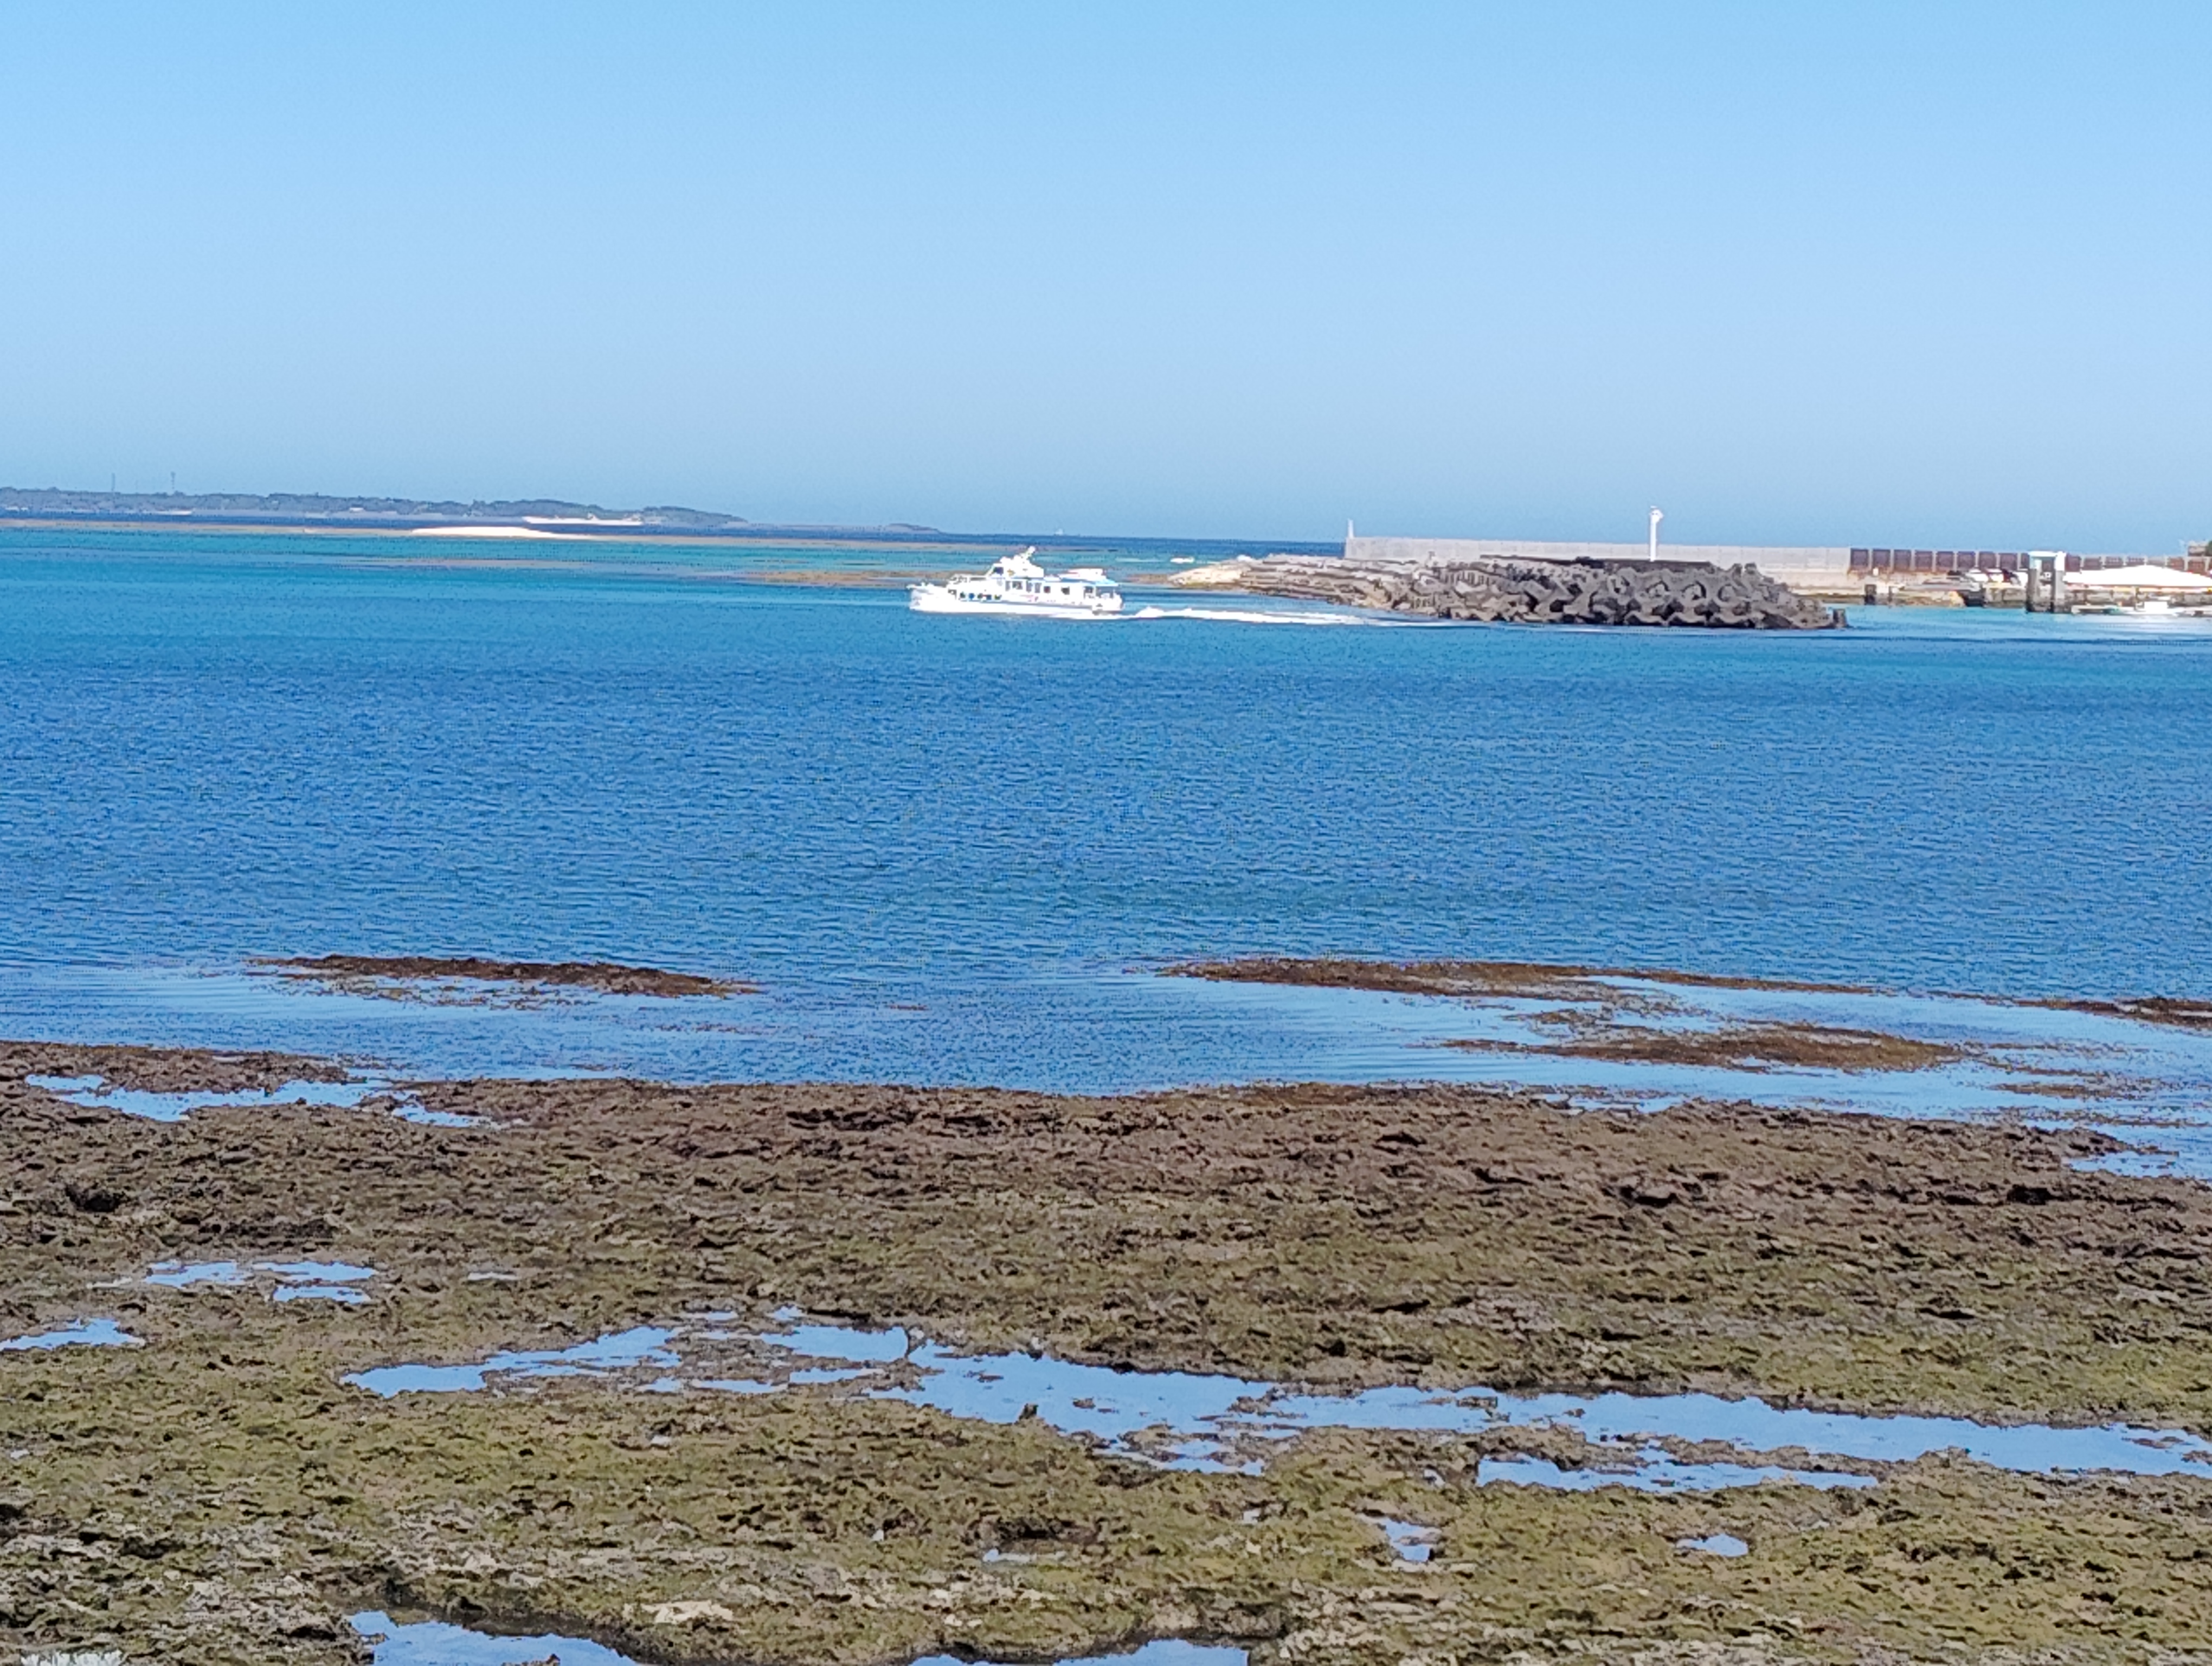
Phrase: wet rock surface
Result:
[1543,980]
[1555,981]
[220,1493]
[1521,590]
[1740,1047]
[1596,1002]
[389,975]
[167,1070]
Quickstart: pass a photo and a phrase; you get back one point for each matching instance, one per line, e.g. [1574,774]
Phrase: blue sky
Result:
[1915,273]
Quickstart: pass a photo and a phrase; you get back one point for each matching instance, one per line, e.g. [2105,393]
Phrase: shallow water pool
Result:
[1209,1421]
[287,1281]
[93,1093]
[86,1332]
[430,1643]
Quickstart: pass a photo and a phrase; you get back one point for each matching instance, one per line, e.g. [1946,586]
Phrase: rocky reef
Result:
[222,1483]
[1521,590]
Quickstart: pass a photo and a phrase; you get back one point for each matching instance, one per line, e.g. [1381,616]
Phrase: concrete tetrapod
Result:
[1521,590]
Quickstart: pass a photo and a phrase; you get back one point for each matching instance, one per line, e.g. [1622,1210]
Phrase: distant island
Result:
[277,509]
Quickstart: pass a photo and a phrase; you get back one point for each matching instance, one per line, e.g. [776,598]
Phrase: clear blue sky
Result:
[1866,272]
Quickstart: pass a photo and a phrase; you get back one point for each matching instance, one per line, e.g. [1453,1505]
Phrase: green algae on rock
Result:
[220,1495]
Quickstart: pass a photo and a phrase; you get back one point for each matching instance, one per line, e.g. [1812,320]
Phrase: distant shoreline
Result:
[486,530]
[535,523]
[426,539]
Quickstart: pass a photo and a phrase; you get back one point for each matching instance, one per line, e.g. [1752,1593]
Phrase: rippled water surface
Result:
[940,845]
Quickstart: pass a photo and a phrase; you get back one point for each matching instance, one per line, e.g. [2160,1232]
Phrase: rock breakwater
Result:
[1520,590]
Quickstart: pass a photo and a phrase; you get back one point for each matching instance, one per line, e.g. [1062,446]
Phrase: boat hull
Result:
[936,598]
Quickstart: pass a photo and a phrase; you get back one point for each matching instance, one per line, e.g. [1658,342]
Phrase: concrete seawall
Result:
[1810,569]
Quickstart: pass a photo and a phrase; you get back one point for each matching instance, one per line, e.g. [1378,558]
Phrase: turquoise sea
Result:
[955,848]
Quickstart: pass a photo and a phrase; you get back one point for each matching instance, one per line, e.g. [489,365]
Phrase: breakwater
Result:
[1522,590]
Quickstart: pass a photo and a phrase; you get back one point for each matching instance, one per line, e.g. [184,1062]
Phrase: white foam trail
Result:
[1247,616]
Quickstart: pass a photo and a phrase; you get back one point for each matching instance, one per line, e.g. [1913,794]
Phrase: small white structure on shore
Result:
[2168,579]
[1658,514]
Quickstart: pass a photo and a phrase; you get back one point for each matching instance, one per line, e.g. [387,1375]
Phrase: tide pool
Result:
[1196,1420]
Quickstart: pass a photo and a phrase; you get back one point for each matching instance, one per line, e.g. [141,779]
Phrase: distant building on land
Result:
[1988,560]
[1810,569]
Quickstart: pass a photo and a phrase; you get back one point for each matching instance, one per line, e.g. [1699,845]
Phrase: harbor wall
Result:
[1830,571]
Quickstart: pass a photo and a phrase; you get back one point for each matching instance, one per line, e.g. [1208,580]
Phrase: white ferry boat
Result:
[1016,584]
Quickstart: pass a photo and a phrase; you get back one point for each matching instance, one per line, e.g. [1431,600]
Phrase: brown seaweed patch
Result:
[2104,1086]
[818,578]
[1546,979]
[2178,1011]
[1742,1047]
[1538,979]
[363,974]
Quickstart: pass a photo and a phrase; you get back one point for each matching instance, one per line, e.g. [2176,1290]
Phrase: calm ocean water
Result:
[948,848]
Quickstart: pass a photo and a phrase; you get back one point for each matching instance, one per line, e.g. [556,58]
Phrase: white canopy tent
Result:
[2139,578]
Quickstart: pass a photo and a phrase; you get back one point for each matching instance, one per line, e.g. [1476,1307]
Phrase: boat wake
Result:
[1254,615]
